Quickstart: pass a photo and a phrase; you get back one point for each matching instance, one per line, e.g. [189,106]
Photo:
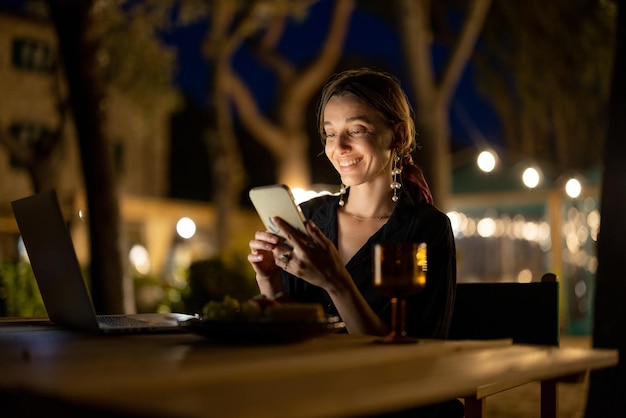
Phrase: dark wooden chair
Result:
[527,313]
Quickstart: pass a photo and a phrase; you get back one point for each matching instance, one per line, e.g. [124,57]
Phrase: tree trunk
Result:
[293,166]
[433,92]
[228,167]
[435,157]
[221,140]
[78,52]
[607,387]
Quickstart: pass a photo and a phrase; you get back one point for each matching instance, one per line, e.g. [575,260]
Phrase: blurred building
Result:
[34,91]
[34,94]
[29,105]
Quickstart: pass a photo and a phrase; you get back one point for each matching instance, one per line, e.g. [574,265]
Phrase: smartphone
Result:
[277,200]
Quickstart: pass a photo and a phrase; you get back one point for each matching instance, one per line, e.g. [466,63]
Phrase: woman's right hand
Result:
[262,260]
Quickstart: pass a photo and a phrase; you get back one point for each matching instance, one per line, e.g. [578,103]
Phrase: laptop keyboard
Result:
[121,321]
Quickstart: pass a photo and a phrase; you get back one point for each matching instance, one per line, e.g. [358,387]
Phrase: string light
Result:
[186,228]
[573,188]
[486,161]
[531,177]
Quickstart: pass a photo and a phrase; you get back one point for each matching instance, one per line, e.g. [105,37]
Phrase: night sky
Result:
[371,39]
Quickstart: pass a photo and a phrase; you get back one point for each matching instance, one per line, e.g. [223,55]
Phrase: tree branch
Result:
[315,75]
[463,48]
[266,132]
[266,52]
[417,37]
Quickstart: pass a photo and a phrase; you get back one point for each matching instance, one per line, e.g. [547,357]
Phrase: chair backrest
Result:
[526,312]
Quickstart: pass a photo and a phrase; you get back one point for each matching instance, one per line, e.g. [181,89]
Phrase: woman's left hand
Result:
[313,258]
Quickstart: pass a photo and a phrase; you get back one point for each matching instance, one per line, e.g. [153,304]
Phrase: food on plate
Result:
[231,309]
[296,312]
[262,308]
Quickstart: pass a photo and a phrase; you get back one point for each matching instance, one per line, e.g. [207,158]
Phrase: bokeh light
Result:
[140,259]
[573,188]
[486,161]
[525,276]
[486,227]
[186,228]
[531,177]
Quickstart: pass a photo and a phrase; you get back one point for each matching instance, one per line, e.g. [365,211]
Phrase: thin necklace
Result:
[360,218]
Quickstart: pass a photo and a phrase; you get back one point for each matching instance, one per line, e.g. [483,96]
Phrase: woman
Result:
[366,126]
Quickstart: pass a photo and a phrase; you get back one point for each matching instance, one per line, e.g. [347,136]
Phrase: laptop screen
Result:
[54,262]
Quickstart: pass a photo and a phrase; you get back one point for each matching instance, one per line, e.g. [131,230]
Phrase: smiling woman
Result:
[366,126]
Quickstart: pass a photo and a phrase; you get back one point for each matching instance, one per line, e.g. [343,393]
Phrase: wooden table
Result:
[184,375]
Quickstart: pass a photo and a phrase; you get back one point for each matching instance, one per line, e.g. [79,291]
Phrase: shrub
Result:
[19,294]
[214,278]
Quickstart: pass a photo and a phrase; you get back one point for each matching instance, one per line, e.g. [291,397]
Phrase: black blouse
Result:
[428,313]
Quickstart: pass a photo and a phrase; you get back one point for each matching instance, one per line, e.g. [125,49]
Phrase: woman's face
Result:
[358,141]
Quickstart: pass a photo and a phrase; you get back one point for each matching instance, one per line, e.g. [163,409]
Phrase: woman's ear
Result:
[399,135]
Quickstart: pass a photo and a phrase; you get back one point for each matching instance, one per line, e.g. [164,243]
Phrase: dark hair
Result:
[383,93]
[380,91]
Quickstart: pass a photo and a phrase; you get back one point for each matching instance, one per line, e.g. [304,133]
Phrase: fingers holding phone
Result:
[293,237]
[301,254]
[263,262]
[261,248]
[277,201]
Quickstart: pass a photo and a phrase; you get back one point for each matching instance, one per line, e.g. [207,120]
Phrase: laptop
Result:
[54,262]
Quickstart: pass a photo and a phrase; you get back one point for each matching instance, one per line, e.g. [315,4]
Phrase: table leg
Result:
[474,408]
[549,399]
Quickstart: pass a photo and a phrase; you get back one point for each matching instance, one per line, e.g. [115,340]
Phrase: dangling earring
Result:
[395,172]
[342,191]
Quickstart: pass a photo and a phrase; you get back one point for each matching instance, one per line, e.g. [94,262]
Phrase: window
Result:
[33,55]
[29,133]
[37,137]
